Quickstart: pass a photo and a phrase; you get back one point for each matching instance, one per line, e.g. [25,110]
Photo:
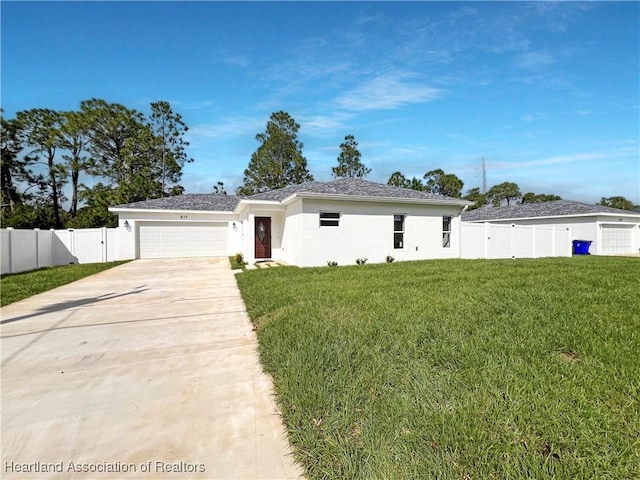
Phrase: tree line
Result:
[124,157]
[505,193]
[279,162]
[439,182]
[104,153]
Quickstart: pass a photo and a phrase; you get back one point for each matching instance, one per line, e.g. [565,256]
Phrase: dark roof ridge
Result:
[349,187]
[554,208]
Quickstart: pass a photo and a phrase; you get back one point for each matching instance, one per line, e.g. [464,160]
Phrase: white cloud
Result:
[558,16]
[322,125]
[198,105]
[534,61]
[237,60]
[534,117]
[387,91]
[559,159]
[230,127]
[231,57]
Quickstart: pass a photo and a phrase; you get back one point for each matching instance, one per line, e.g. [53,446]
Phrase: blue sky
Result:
[547,93]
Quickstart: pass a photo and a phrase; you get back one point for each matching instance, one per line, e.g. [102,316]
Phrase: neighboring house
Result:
[306,225]
[611,231]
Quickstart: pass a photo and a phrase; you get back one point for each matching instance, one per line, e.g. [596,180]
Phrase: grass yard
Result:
[18,286]
[456,369]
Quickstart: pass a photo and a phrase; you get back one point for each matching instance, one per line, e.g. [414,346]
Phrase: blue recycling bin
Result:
[581,247]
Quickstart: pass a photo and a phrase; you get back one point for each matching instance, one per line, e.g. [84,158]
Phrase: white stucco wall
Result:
[366,231]
[292,238]
[126,238]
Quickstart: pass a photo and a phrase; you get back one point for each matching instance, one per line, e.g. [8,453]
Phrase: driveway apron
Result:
[148,370]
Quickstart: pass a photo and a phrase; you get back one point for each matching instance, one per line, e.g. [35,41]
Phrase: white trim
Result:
[629,224]
[243,204]
[182,220]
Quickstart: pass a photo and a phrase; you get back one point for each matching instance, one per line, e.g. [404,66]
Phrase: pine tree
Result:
[278,161]
[349,164]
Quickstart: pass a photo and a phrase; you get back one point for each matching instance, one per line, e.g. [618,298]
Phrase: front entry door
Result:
[263,237]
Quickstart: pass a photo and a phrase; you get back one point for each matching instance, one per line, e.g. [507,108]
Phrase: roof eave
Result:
[164,210]
[545,217]
[246,202]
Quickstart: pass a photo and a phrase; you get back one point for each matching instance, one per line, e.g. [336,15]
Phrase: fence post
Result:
[53,246]
[36,231]
[553,241]
[512,241]
[9,249]
[459,227]
[72,244]
[103,244]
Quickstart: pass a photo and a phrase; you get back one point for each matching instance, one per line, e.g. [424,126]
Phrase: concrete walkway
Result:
[148,370]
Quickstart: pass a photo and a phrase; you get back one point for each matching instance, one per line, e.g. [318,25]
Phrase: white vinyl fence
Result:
[487,240]
[24,250]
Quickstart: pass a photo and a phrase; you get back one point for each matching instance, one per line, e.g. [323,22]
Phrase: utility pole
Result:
[484,177]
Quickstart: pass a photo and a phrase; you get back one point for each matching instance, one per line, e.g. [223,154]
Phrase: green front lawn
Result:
[18,286]
[457,369]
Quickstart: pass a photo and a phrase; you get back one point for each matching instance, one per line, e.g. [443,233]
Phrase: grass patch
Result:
[237,263]
[18,286]
[456,369]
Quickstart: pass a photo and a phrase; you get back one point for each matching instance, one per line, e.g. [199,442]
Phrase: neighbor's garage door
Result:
[616,238]
[183,240]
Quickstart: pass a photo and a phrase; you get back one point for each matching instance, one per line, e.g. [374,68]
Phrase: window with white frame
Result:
[398,231]
[329,219]
[446,232]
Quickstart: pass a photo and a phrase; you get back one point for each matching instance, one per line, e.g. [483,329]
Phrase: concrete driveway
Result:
[148,370]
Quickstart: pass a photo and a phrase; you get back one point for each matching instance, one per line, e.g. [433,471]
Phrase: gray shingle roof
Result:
[557,208]
[194,201]
[226,203]
[349,186]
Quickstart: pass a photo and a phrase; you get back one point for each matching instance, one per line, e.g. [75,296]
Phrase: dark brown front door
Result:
[263,237]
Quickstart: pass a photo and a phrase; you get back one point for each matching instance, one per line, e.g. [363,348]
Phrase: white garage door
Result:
[183,240]
[616,238]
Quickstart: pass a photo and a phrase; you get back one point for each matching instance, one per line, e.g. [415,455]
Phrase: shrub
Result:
[390,259]
[331,263]
[239,258]
[361,261]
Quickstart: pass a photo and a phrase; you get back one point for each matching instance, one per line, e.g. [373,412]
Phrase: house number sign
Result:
[184,217]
